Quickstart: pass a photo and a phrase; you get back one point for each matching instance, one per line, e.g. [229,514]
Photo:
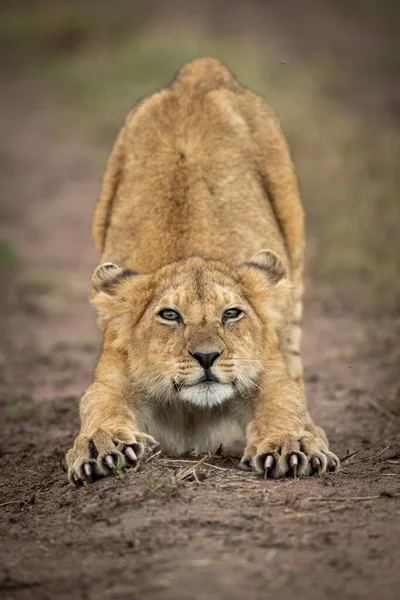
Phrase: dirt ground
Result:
[163,533]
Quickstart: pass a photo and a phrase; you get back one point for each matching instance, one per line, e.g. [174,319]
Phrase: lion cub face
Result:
[195,331]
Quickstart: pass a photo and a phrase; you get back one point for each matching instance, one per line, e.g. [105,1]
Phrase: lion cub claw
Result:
[99,454]
[289,455]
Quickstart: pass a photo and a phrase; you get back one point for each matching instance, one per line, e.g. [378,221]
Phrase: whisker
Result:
[259,360]
[246,380]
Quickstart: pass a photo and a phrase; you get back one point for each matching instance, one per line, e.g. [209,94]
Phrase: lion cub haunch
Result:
[201,234]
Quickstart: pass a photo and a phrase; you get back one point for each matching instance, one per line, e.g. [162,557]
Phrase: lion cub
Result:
[201,318]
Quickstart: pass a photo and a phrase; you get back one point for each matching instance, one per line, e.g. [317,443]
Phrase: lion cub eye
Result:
[170,315]
[231,314]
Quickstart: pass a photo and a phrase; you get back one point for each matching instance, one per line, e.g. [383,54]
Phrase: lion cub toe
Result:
[105,452]
[289,455]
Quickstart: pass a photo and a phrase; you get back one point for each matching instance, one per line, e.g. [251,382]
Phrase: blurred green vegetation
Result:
[33,32]
[100,63]
[23,409]
[9,257]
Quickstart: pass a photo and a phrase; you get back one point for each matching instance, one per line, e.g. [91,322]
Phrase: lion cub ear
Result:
[269,261]
[107,276]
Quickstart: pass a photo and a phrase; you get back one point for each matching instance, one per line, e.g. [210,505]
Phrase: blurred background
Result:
[329,68]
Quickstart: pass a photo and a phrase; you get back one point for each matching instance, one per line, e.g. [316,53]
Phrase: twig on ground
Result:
[343,499]
[176,564]
[238,478]
[137,466]
[236,485]
[380,409]
[226,470]
[185,461]
[195,476]
[352,462]
[349,456]
[351,498]
[16,502]
[315,513]
[345,502]
[175,461]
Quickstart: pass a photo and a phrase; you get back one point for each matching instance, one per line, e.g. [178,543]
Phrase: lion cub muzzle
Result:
[207,387]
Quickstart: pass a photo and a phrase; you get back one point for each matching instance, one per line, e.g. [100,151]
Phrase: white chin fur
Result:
[206,395]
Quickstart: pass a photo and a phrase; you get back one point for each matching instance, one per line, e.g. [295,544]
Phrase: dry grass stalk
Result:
[152,456]
[184,474]
[189,462]
[16,502]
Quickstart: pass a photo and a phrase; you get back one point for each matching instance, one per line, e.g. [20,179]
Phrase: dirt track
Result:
[227,536]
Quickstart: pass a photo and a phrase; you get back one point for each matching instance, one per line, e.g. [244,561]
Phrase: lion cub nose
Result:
[206,359]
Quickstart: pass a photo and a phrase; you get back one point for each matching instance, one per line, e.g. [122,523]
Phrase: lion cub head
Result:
[194,331]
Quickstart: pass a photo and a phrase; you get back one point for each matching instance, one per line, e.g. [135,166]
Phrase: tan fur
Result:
[199,184]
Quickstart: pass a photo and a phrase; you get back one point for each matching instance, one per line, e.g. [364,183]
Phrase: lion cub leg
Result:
[109,435]
[292,348]
[294,361]
[293,333]
[281,438]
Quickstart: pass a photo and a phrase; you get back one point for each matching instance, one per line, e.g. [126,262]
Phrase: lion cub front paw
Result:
[99,454]
[287,454]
